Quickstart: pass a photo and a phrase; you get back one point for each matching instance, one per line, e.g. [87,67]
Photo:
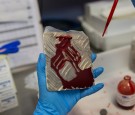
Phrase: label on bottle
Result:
[125,100]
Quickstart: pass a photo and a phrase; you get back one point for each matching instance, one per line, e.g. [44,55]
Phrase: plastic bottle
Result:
[126,93]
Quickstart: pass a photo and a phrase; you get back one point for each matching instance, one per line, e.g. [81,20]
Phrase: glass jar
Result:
[126,93]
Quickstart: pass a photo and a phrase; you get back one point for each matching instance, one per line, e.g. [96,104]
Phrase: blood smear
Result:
[84,77]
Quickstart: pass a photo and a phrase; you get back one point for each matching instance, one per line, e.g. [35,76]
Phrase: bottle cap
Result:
[127,77]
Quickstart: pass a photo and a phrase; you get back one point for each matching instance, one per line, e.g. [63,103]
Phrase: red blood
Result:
[66,52]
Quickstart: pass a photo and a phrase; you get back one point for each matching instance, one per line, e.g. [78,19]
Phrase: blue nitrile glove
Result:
[133,1]
[60,103]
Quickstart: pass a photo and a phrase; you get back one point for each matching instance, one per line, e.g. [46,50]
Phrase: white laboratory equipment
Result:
[120,31]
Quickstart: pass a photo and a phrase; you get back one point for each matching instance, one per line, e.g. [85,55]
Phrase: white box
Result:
[8,101]
[96,14]
[109,41]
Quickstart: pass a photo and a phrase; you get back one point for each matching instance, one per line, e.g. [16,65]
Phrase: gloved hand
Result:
[133,1]
[60,103]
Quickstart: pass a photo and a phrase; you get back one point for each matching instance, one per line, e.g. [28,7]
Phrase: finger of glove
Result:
[41,73]
[93,57]
[133,1]
[91,90]
[97,71]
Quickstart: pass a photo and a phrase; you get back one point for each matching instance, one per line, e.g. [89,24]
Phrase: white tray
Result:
[116,64]
[109,41]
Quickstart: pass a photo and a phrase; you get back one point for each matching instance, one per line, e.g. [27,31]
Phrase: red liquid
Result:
[126,86]
[66,52]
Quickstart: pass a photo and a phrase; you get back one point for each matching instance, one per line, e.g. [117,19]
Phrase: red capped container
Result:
[126,93]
